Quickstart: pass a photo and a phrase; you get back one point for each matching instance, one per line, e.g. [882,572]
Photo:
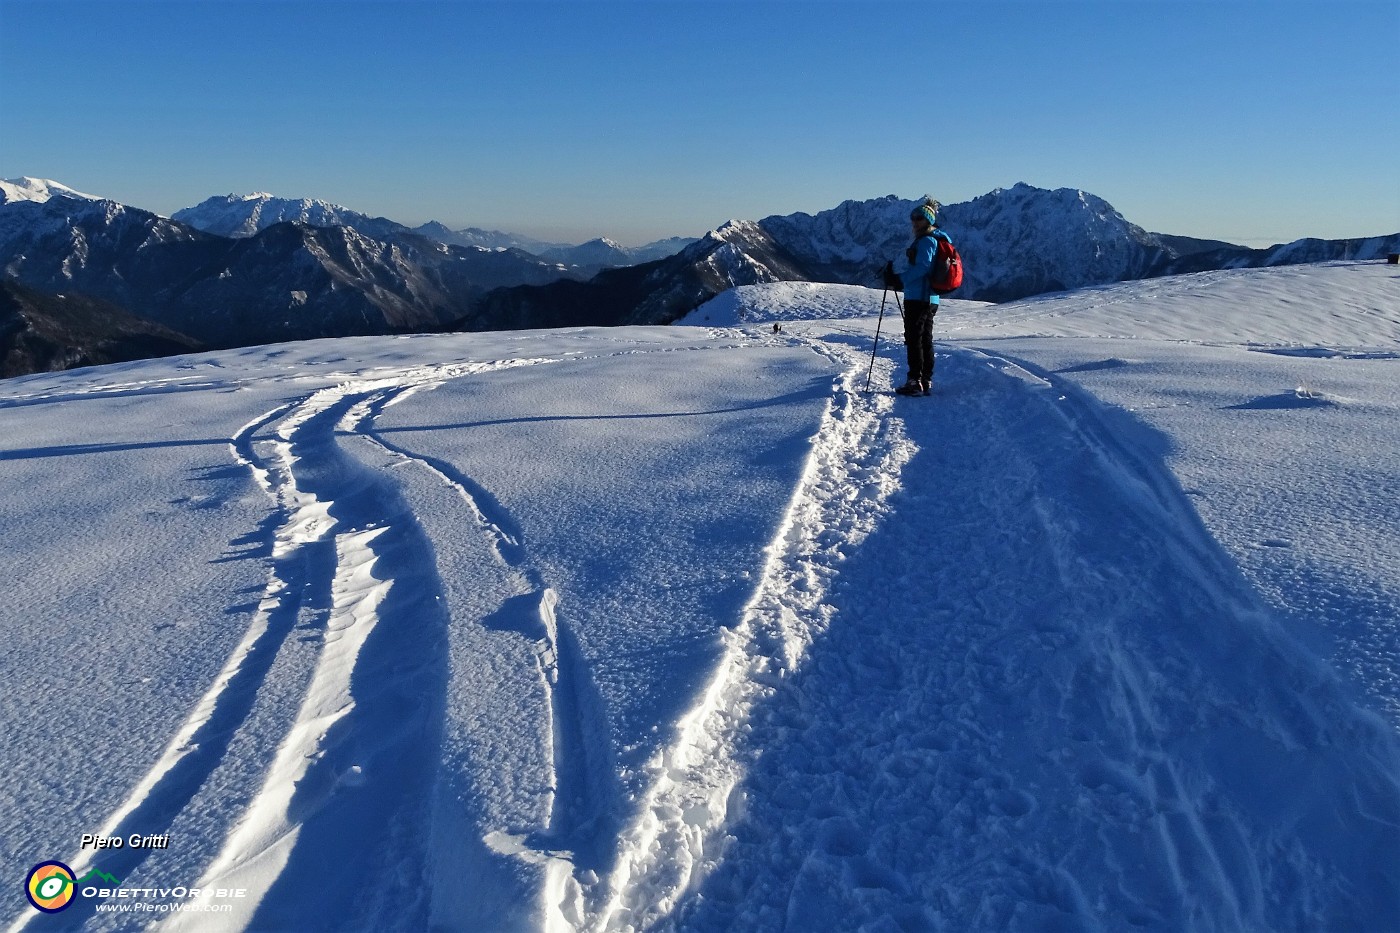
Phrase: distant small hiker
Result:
[920,300]
[777,328]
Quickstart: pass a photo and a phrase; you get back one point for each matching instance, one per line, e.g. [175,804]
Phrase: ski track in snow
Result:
[356,767]
[366,705]
[578,834]
[355,770]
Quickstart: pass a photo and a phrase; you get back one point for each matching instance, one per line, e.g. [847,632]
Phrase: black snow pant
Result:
[918,339]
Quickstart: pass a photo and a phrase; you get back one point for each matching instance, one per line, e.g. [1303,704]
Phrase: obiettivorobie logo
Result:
[51,886]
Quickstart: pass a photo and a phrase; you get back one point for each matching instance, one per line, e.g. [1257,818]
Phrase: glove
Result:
[891,278]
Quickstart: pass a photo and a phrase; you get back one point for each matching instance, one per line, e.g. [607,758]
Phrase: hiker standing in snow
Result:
[920,301]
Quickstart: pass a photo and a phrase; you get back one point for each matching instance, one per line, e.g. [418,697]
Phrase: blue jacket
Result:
[916,275]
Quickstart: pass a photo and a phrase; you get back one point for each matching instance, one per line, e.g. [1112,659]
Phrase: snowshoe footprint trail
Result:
[673,842]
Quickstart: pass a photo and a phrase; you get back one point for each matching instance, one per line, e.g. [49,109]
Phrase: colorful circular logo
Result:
[50,886]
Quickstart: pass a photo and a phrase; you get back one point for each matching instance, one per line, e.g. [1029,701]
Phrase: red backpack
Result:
[947,273]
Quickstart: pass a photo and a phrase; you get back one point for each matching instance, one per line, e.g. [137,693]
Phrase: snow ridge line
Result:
[670,846]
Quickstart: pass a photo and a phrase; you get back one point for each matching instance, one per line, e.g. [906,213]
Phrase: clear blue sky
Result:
[1251,120]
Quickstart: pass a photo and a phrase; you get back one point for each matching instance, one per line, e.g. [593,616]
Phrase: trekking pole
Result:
[883,295]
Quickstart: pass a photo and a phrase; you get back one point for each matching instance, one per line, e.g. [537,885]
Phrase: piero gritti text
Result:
[134,841]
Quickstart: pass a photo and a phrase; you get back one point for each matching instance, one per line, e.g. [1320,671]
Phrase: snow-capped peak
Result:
[243,215]
[38,189]
[733,228]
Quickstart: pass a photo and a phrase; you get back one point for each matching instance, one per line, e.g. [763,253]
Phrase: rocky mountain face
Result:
[125,256]
[1026,241]
[288,281]
[45,333]
[517,260]
[1015,243]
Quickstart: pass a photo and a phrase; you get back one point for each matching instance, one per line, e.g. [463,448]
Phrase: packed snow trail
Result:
[670,844]
[1037,695]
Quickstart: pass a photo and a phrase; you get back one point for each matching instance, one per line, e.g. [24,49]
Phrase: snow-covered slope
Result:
[37,189]
[795,302]
[236,215]
[1328,305]
[1338,304]
[679,628]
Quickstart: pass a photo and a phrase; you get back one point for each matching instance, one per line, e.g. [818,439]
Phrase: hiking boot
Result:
[912,387]
[927,388]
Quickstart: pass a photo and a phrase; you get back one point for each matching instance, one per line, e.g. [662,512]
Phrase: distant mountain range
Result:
[1015,243]
[247,215]
[247,270]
